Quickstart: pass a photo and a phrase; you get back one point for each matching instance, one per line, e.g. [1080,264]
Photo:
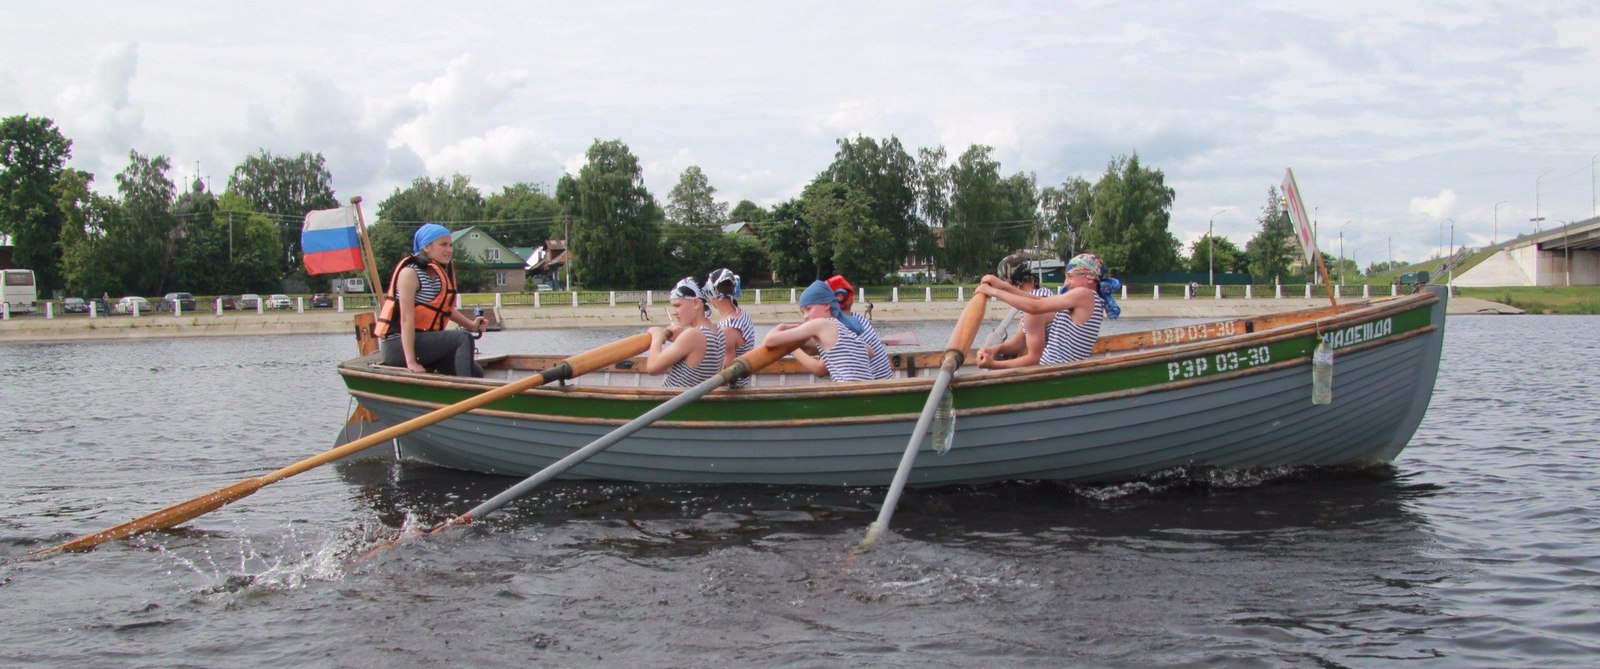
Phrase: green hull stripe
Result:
[780,408]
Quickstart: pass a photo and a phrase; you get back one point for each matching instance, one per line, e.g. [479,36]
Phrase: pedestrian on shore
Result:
[690,350]
[419,306]
[644,312]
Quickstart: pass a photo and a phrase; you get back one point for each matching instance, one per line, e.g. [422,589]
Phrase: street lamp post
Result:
[1211,265]
[1451,280]
[1341,253]
[1496,239]
[1537,219]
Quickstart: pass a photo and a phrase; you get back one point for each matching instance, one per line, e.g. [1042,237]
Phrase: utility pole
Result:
[1496,239]
[1211,265]
[1341,253]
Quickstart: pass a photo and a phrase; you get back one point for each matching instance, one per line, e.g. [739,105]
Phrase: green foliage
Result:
[747,212]
[693,201]
[533,215]
[616,236]
[787,241]
[1128,219]
[884,178]
[144,239]
[990,216]
[1273,249]
[33,154]
[285,188]
[1065,211]
[253,265]
[86,258]
[844,237]
[1216,254]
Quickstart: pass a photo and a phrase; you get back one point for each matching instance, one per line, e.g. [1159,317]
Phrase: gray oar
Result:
[954,354]
[742,367]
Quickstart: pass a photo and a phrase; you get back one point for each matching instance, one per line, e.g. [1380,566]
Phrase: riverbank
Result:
[78,327]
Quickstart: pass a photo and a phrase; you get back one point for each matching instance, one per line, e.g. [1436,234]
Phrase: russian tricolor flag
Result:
[330,241]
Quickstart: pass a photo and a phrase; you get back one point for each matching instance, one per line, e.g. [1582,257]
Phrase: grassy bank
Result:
[1542,299]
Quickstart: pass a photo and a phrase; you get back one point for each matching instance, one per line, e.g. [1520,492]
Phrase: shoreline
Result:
[35,328]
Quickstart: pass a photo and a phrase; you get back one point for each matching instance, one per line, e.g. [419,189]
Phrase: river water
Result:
[1475,549]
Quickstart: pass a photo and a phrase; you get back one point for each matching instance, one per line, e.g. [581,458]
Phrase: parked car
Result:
[228,301]
[544,286]
[248,301]
[279,301]
[183,300]
[322,300]
[126,305]
[101,307]
[74,305]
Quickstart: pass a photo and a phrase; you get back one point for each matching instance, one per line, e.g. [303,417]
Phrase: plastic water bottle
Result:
[1322,373]
[944,424]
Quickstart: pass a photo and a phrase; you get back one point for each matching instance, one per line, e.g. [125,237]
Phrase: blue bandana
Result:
[425,236]
[820,293]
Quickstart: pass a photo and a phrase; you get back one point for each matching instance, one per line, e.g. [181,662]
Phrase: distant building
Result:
[546,264]
[505,267]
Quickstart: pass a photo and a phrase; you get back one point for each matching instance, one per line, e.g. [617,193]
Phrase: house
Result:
[741,229]
[546,264]
[504,266]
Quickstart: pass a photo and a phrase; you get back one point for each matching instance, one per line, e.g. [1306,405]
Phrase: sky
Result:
[1400,119]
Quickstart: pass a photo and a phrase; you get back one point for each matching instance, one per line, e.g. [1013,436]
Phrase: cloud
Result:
[99,114]
[1436,207]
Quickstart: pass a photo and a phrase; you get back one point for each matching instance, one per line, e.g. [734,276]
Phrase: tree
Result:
[693,201]
[33,154]
[1272,250]
[933,203]
[144,241]
[787,241]
[747,212]
[616,235]
[884,177]
[1128,219]
[203,246]
[285,189]
[844,237]
[990,216]
[523,214]
[1219,254]
[425,200]
[1065,212]
[254,246]
[86,263]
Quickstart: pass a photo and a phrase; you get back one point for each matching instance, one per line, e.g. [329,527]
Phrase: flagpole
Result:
[366,247]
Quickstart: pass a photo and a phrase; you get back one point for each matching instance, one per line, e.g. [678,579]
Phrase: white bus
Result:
[18,291]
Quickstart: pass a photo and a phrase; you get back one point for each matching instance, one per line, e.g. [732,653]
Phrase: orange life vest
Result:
[432,315]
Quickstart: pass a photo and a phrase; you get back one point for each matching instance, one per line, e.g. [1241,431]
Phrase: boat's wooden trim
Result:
[1113,352]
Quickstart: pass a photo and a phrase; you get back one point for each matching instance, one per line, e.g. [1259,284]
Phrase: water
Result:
[1475,549]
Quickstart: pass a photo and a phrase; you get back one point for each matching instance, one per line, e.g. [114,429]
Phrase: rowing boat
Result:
[1225,394]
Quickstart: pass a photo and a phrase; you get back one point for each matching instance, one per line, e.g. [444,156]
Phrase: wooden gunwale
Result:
[1099,363]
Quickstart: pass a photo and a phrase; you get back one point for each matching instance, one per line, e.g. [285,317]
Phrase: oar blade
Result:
[171,516]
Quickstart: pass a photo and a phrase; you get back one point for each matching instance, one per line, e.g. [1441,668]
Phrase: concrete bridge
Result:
[1568,255]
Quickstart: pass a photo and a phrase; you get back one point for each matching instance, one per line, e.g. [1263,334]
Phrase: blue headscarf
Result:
[425,236]
[820,293]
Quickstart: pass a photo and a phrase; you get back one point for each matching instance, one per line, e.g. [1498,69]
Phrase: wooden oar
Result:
[743,366]
[176,514]
[954,354]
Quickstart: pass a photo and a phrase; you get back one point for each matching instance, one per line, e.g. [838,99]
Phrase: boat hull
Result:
[1240,401]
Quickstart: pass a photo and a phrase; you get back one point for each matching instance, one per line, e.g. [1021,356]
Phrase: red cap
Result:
[843,289]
